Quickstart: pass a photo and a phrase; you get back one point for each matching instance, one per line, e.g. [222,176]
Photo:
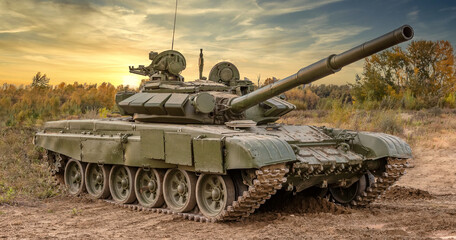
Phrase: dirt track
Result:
[413,216]
[422,205]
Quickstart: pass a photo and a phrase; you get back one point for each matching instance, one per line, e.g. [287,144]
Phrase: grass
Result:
[23,174]
[7,194]
[75,212]
[416,127]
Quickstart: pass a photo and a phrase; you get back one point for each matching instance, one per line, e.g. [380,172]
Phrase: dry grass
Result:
[23,174]
[425,127]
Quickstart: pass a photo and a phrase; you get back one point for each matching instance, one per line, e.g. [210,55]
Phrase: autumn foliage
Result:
[421,76]
[33,104]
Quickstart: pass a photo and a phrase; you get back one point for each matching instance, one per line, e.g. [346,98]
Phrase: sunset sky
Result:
[96,41]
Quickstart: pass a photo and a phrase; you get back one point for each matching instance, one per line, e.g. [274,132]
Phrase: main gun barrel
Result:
[322,68]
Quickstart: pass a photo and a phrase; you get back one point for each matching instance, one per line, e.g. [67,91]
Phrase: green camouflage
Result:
[181,137]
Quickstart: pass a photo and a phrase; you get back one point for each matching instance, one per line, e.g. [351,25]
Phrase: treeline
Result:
[319,96]
[38,102]
[421,76]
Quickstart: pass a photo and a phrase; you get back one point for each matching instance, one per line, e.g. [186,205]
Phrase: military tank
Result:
[210,150]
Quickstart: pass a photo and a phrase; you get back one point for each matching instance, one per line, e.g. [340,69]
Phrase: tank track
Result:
[54,167]
[268,180]
[395,168]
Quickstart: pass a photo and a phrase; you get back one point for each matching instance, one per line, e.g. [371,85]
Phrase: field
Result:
[421,205]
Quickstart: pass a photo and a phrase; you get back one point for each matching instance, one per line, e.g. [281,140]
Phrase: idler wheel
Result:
[214,193]
[179,190]
[345,195]
[149,187]
[121,184]
[239,185]
[74,177]
[97,180]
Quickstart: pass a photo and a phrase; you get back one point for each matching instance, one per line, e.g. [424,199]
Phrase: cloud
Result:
[36,58]
[331,36]
[291,6]
[413,15]
[96,40]
[448,9]
[16,30]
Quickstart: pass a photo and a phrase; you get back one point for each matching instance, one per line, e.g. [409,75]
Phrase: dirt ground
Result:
[421,205]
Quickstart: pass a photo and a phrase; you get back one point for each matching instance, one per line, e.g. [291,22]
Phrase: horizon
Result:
[95,42]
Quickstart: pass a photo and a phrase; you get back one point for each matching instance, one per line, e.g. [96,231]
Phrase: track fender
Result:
[380,145]
[255,151]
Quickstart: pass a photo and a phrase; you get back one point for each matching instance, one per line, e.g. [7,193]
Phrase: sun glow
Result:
[131,80]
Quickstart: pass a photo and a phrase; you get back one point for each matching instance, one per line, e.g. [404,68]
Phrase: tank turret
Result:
[225,97]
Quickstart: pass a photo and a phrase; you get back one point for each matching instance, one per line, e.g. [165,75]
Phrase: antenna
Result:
[174,27]
[201,64]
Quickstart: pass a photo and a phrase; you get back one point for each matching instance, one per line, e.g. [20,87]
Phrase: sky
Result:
[95,41]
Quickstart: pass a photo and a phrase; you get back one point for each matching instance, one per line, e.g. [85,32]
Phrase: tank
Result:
[210,150]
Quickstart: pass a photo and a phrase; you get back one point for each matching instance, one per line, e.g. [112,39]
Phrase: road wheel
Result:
[149,188]
[345,195]
[214,193]
[74,177]
[121,184]
[179,190]
[97,180]
[239,185]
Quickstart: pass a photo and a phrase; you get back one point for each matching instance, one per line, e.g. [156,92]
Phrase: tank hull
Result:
[292,158]
[154,145]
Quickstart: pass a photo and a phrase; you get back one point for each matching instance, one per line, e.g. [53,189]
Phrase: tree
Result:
[431,69]
[40,81]
[426,71]
[269,81]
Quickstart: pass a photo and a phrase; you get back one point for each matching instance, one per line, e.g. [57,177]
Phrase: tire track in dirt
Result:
[69,218]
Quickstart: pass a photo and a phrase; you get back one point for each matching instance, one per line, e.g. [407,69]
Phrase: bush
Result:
[340,114]
[409,101]
[450,101]
[390,122]
[435,111]
[22,170]
[7,194]
[300,105]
